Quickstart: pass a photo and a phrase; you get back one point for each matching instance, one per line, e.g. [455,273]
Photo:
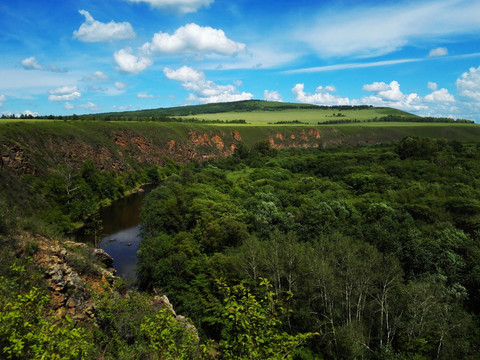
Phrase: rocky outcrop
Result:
[70,292]
[13,157]
[162,302]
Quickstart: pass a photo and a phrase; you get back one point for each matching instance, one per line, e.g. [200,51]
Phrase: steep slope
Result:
[31,148]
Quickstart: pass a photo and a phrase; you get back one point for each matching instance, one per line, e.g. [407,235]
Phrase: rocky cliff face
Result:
[120,148]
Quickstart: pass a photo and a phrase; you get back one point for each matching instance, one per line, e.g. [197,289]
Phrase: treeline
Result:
[376,249]
[394,118]
[124,118]
[297,122]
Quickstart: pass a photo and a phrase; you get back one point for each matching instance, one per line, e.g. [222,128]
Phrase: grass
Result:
[308,116]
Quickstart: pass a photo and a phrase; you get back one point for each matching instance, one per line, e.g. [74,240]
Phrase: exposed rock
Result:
[68,289]
[236,135]
[217,140]
[315,133]
[13,157]
[161,302]
[103,257]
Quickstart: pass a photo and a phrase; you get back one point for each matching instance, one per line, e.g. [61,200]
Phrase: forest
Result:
[372,249]
[346,252]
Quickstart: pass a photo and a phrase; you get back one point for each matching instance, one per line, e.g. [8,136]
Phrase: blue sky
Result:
[85,56]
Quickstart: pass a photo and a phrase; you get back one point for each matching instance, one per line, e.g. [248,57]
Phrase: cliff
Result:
[34,147]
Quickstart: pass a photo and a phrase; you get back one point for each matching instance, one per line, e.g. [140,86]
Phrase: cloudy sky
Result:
[86,56]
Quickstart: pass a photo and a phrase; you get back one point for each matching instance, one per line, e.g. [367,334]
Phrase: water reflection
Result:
[121,233]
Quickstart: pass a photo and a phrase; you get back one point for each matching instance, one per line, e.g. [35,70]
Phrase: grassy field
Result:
[308,116]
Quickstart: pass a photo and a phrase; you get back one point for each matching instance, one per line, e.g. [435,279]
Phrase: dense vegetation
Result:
[376,249]
[335,252]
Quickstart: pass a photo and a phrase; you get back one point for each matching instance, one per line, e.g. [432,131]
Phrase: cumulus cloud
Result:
[3,98]
[32,63]
[129,63]
[184,74]
[391,95]
[144,95]
[440,96]
[367,31]
[64,93]
[441,51]
[97,76]
[69,106]
[203,90]
[390,92]
[468,85]
[27,113]
[193,38]
[95,31]
[322,96]
[176,6]
[272,95]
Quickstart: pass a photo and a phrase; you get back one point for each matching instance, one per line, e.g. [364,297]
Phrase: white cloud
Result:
[64,93]
[97,76]
[368,31]
[95,31]
[391,95]
[90,106]
[144,95]
[390,92]
[3,98]
[203,90]
[432,86]
[193,38]
[352,66]
[129,63]
[69,106]
[176,6]
[31,63]
[441,51]
[120,85]
[184,74]
[322,96]
[272,95]
[27,113]
[440,96]
[468,85]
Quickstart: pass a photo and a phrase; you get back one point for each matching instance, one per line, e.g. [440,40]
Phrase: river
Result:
[121,233]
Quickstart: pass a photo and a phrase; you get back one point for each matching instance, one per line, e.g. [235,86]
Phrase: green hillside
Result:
[258,112]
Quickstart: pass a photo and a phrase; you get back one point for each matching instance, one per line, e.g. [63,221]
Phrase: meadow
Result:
[306,116]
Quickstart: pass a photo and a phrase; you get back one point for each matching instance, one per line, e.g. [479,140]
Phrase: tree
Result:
[252,327]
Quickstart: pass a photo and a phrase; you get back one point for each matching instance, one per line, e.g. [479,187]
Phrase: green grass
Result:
[308,116]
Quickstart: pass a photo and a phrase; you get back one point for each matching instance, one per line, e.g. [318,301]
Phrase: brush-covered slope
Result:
[33,147]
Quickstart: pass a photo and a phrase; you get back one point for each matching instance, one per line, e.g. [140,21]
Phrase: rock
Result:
[103,257]
[160,302]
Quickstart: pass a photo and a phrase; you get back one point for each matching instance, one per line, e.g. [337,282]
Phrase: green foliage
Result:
[251,327]
[169,338]
[357,234]
[28,331]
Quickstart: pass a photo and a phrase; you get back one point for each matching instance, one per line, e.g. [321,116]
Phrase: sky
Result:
[88,56]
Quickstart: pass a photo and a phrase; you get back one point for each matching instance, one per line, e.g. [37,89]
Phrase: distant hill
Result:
[238,107]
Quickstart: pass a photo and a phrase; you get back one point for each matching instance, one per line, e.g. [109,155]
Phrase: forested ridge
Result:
[376,249]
